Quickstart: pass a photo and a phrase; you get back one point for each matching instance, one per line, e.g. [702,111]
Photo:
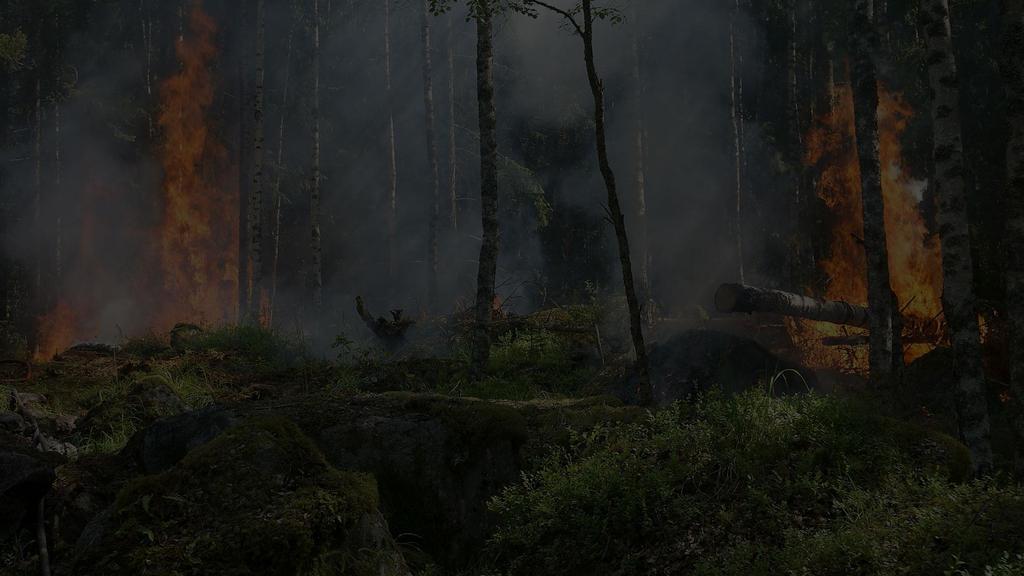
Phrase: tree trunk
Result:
[736,95]
[884,357]
[640,157]
[255,217]
[958,299]
[316,273]
[37,193]
[1012,69]
[278,175]
[243,162]
[453,201]
[615,209]
[488,263]
[392,216]
[435,185]
[58,233]
[737,298]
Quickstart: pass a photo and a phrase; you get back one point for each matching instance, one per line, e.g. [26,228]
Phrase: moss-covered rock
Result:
[260,499]
[147,400]
[438,459]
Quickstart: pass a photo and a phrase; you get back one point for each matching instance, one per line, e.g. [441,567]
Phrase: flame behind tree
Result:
[199,232]
[915,257]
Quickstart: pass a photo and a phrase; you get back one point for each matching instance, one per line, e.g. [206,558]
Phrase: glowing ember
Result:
[199,233]
[914,257]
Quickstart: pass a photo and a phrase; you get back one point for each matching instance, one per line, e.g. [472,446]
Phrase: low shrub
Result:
[756,485]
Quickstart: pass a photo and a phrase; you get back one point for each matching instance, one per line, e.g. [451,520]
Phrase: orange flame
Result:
[57,331]
[915,263]
[199,233]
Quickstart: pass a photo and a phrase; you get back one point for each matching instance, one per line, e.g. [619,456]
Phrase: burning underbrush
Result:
[915,258]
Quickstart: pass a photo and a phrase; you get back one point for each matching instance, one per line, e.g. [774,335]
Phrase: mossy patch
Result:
[260,499]
[695,485]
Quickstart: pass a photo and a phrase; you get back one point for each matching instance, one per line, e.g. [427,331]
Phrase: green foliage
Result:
[748,485]
[250,347]
[12,50]
[146,346]
[258,499]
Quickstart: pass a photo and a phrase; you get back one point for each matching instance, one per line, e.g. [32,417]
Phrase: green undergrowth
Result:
[523,365]
[258,499]
[750,485]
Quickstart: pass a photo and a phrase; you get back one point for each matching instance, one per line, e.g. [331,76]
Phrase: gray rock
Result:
[698,361]
[12,422]
[166,441]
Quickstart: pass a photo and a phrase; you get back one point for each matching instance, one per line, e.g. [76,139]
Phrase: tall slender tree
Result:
[736,95]
[488,262]
[884,356]
[254,289]
[435,184]
[453,201]
[316,274]
[1012,69]
[958,299]
[392,216]
[585,31]
[244,149]
[279,171]
[640,173]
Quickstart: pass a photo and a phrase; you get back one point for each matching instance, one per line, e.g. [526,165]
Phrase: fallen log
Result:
[748,299]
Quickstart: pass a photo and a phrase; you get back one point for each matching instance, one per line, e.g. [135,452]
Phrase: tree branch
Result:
[563,13]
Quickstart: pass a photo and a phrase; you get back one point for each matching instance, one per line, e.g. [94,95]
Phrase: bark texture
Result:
[1012,69]
[392,216]
[435,184]
[640,184]
[453,201]
[316,274]
[278,175]
[255,209]
[884,355]
[488,263]
[958,299]
[750,300]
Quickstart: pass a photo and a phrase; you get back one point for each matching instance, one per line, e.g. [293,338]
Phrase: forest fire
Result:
[190,273]
[914,255]
[198,235]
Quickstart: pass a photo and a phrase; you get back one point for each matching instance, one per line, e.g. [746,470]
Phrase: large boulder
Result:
[259,499]
[438,459]
[167,441]
[699,361]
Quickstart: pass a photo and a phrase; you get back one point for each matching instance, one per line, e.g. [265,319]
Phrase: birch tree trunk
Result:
[884,350]
[488,262]
[392,216]
[958,299]
[640,184]
[435,185]
[316,273]
[255,216]
[453,201]
[736,94]
[278,175]
[1012,69]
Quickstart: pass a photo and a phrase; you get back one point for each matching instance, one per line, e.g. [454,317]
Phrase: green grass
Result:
[756,485]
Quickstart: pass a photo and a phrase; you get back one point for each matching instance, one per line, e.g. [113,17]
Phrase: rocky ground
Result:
[235,453]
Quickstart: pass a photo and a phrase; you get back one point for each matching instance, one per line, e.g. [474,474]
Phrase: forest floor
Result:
[236,452]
